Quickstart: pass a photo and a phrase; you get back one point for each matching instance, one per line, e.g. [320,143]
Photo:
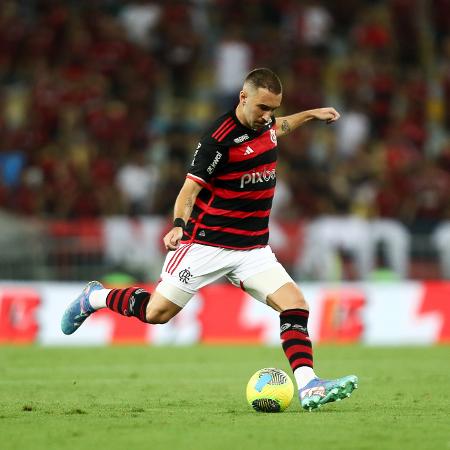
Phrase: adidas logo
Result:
[249,150]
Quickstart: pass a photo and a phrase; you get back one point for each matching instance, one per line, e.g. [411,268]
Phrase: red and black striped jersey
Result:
[237,168]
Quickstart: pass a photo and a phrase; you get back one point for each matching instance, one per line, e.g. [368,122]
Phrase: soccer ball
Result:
[270,390]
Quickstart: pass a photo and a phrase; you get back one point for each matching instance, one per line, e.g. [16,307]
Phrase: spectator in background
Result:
[137,181]
[140,18]
[81,83]
[311,25]
[389,238]
[233,61]
[441,241]
[353,131]
[178,48]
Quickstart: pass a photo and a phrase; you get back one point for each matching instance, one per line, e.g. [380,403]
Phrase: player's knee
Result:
[300,302]
[288,297]
[297,301]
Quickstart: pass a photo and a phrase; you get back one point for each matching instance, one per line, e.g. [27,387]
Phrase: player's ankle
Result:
[97,299]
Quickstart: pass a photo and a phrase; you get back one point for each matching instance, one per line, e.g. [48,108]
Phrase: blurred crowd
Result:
[102,103]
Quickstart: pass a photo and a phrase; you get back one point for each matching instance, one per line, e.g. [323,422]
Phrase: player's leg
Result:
[184,272]
[276,288]
[294,313]
[267,280]
[132,302]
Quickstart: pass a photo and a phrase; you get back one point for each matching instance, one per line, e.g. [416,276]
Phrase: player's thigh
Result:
[184,272]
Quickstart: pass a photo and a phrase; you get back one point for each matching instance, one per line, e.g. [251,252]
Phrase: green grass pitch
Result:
[175,398]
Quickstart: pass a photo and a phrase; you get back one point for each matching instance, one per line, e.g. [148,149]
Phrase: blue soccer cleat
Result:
[318,392]
[79,310]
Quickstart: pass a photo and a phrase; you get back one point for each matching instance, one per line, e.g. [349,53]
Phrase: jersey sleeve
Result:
[208,158]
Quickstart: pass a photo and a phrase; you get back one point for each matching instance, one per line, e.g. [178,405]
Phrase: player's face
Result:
[258,106]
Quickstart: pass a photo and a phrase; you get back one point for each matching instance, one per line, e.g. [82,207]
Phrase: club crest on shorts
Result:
[185,275]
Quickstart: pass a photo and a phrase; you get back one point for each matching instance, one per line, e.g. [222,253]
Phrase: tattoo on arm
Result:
[285,127]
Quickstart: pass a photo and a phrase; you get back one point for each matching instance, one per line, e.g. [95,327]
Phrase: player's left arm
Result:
[285,125]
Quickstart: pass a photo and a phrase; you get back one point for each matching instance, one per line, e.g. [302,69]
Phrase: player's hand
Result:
[328,114]
[172,238]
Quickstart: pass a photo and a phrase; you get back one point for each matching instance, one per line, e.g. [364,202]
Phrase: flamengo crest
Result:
[273,135]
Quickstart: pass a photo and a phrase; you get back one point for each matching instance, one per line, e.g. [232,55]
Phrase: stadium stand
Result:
[95,93]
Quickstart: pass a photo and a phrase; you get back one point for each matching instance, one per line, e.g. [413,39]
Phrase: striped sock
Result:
[132,301]
[295,339]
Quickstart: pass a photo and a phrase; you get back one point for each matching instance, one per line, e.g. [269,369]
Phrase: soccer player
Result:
[220,228]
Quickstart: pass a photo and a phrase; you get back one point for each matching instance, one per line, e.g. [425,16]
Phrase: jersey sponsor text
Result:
[258,177]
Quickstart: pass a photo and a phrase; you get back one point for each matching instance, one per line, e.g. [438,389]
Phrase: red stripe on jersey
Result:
[226,132]
[199,180]
[200,216]
[258,146]
[235,175]
[231,213]
[252,195]
[236,230]
[214,244]
[222,126]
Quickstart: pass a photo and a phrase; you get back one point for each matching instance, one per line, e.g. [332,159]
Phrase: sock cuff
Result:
[293,321]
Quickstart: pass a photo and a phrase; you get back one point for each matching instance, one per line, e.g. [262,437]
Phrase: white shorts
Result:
[193,266]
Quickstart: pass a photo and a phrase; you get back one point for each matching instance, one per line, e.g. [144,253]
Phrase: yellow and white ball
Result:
[270,390]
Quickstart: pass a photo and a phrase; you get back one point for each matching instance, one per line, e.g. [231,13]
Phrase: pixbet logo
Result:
[258,177]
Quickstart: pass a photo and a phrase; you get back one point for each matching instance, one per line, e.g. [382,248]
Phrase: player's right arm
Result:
[182,209]
[208,158]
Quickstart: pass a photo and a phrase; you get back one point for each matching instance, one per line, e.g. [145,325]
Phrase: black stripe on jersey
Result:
[246,205]
[204,195]
[249,224]
[249,164]
[231,239]
[195,212]
[235,185]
